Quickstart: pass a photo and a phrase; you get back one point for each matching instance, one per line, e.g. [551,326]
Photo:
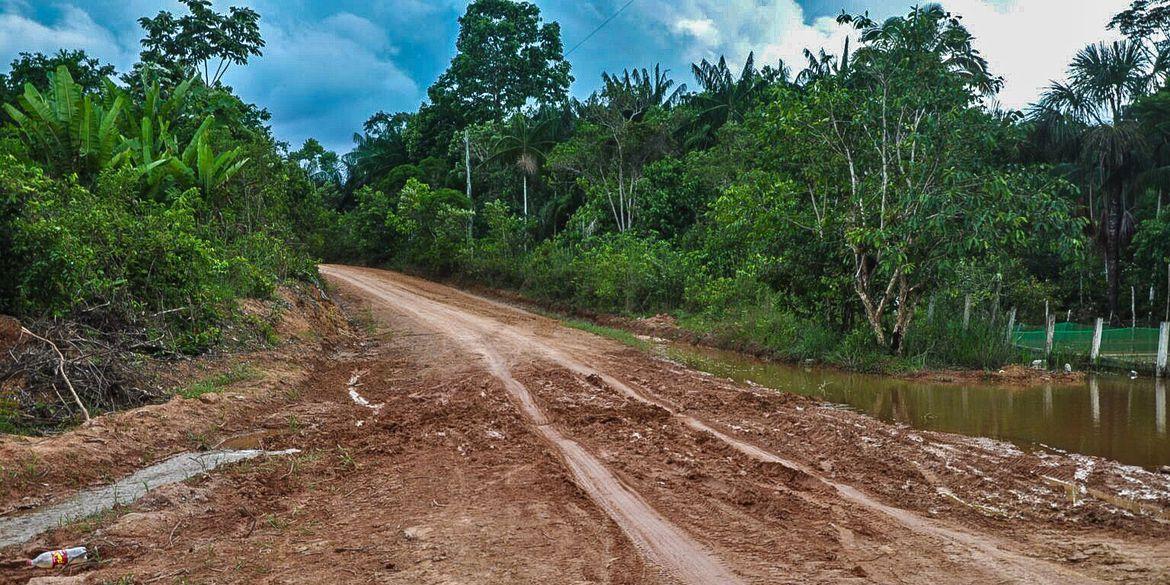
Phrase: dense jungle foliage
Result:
[152,200]
[135,210]
[840,209]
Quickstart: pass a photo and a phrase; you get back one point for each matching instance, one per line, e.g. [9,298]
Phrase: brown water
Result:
[1108,416]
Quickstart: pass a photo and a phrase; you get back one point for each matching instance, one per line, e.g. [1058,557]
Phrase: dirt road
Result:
[462,440]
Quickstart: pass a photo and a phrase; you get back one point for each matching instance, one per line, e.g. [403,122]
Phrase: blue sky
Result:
[330,64]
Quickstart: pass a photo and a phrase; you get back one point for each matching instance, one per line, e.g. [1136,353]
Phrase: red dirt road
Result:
[462,440]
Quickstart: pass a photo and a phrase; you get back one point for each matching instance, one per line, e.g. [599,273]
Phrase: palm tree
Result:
[524,142]
[724,97]
[643,90]
[927,36]
[1089,113]
[376,152]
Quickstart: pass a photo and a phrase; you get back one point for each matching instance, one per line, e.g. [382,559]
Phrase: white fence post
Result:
[1163,345]
[1051,336]
[966,312]
[1011,327]
[1095,353]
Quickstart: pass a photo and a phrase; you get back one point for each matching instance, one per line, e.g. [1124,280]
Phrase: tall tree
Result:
[725,98]
[1147,23]
[203,41]
[506,58]
[895,160]
[524,142]
[1089,111]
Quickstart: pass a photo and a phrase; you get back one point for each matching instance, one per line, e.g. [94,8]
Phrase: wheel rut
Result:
[661,541]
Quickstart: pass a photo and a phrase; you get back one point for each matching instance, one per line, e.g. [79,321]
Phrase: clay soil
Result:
[447,438]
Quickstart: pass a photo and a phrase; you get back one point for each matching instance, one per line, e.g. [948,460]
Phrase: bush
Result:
[945,343]
[624,273]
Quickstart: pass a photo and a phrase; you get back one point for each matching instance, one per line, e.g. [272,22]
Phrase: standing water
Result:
[1108,416]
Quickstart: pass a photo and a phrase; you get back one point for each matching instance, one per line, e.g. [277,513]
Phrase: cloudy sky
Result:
[329,64]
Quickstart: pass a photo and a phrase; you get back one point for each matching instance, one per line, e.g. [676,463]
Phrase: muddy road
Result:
[450,438]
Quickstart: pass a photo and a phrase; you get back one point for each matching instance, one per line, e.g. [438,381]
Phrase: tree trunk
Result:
[525,196]
[1113,251]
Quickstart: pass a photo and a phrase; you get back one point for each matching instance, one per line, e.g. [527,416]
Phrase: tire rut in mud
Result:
[480,334]
[661,541]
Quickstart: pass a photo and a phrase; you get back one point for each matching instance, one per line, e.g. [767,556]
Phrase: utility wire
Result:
[599,27]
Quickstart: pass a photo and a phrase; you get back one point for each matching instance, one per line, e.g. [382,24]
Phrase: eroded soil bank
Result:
[446,438]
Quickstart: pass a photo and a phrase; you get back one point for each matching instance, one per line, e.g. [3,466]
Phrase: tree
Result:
[202,42]
[74,132]
[894,160]
[1087,116]
[724,98]
[382,147]
[69,130]
[639,90]
[506,58]
[1147,23]
[524,143]
[430,224]
[323,166]
[610,150]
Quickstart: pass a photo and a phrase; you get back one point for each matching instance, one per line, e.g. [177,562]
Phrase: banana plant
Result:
[75,132]
[70,131]
[200,165]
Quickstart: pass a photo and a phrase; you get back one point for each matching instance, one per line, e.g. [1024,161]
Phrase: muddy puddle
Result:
[1107,416]
[22,526]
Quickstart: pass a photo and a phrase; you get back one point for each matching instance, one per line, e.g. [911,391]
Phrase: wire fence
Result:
[1122,347]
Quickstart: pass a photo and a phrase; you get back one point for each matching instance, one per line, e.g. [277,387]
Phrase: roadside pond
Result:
[1107,416]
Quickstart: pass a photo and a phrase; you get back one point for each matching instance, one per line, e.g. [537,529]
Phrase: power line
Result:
[599,27]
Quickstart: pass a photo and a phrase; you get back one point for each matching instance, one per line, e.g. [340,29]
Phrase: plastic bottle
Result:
[58,558]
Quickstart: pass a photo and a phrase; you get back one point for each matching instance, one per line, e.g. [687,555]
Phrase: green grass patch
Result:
[619,335]
[220,382]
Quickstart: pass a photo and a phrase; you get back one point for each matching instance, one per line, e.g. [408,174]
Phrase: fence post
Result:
[1163,345]
[1095,352]
[1051,337]
[966,311]
[1011,327]
[1133,305]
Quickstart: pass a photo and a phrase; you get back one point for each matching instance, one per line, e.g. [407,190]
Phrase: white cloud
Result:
[73,29]
[773,29]
[1031,42]
[323,78]
[702,29]
[1028,42]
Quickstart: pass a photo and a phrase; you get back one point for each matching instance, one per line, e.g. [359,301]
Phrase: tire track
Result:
[660,541]
[988,552]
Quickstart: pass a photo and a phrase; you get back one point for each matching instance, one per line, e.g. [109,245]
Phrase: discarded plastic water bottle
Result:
[58,558]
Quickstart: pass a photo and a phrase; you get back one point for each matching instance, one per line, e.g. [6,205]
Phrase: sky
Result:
[329,64]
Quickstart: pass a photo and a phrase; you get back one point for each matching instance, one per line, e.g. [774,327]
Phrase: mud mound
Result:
[9,332]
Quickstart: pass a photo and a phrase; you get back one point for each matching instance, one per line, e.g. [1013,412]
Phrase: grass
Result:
[619,335]
[220,382]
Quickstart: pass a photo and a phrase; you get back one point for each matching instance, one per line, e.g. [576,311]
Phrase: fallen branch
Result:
[61,368]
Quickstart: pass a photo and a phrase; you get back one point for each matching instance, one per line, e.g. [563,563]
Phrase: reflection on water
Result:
[1108,416]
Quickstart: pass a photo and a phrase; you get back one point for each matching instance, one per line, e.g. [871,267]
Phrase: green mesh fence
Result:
[1127,344]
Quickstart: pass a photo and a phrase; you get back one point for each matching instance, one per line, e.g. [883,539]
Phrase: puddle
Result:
[248,441]
[21,527]
[1108,416]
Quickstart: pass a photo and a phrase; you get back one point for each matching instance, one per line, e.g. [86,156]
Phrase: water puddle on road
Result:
[20,527]
[1108,416]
